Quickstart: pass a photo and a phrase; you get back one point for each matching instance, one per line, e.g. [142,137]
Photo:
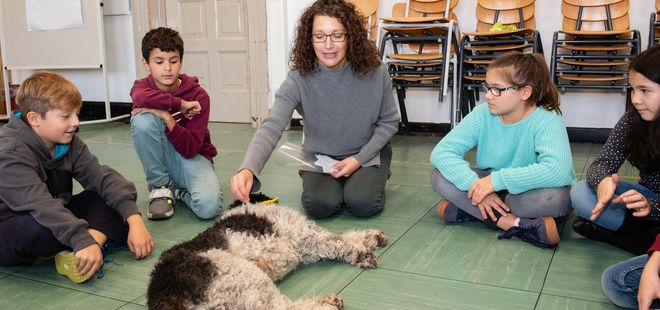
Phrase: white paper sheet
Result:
[326,163]
[53,15]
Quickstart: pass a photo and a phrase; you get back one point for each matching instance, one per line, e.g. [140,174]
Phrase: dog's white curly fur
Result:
[245,271]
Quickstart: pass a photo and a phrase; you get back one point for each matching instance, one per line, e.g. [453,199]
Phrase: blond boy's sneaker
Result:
[65,264]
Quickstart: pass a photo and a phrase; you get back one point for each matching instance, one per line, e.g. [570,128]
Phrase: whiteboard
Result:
[75,48]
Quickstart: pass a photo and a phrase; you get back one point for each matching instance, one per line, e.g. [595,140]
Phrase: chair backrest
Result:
[369,10]
[504,4]
[426,9]
[435,8]
[657,5]
[591,2]
[595,15]
[511,12]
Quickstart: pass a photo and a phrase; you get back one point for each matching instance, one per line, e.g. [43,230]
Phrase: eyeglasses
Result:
[334,37]
[497,91]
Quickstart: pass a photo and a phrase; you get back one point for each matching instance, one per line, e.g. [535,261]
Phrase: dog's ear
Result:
[259,197]
[236,203]
[254,198]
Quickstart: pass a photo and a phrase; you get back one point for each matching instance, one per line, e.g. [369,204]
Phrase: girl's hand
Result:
[346,167]
[649,283]
[634,200]
[480,189]
[490,203]
[604,194]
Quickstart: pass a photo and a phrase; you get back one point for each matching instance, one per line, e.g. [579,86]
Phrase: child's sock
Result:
[516,222]
[65,264]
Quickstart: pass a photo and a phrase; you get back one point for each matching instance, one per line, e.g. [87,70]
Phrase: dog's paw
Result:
[333,300]
[375,239]
[366,260]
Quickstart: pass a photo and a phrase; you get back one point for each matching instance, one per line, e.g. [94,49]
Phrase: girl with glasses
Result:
[338,84]
[524,168]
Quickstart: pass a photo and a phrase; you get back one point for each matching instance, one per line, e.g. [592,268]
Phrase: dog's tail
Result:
[180,279]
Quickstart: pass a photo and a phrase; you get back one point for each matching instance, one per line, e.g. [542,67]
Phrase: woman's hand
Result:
[480,189]
[490,203]
[634,200]
[604,194]
[139,240]
[345,167]
[241,185]
[649,283]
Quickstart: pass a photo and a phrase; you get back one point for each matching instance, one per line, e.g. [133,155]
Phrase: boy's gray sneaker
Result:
[161,205]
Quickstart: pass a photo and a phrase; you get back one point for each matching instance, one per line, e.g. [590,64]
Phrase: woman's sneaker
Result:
[541,232]
[161,205]
[450,213]
[65,264]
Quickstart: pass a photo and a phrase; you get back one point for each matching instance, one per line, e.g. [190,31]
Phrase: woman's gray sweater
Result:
[345,115]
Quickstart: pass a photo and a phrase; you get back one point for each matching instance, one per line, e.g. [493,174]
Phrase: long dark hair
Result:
[361,53]
[642,141]
[529,69]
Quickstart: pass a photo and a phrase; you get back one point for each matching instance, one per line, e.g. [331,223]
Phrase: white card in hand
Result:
[326,163]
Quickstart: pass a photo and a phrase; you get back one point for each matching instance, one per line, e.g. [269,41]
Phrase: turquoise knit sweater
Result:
[530,154]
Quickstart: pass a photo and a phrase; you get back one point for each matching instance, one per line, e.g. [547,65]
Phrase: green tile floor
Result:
[427,265]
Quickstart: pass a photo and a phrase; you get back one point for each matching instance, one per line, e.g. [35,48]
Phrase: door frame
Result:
[151,14]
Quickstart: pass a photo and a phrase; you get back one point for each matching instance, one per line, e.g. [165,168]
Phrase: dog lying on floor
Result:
[234,264]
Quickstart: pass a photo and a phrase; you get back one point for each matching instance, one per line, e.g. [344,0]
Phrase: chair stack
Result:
[654,32]
[422,37]
[478,49]
[369,10]
[595,46]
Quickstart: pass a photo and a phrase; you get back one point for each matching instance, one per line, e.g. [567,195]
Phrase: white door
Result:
[217,51]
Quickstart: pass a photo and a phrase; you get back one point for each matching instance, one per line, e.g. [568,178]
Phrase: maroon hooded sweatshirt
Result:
[189,136]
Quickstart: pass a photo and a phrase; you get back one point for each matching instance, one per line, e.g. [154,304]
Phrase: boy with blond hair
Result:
[170,131]
[40,155]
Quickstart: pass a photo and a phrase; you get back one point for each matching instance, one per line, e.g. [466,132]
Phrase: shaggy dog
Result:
[234,264]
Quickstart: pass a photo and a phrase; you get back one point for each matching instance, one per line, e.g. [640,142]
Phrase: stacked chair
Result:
[478,49]
[654,32]
[595,45]
[369,10]
[422,36]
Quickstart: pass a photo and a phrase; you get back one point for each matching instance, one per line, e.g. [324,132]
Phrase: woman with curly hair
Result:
[338,84]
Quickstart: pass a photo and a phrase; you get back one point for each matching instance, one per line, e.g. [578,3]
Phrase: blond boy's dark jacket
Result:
[35,183]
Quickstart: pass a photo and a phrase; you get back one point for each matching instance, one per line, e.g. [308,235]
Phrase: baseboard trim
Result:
[93,110]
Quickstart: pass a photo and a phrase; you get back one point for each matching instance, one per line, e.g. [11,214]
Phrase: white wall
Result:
[584,108]
[120,58]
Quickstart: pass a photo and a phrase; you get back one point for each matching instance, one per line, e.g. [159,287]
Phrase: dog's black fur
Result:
[172,274]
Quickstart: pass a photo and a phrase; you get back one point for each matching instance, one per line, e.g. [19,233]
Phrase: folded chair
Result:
[369,10]
[654,32]
[502,26]
[595,45]
[418,44]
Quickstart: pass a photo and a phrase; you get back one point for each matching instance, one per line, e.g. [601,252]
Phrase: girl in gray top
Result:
[338,84]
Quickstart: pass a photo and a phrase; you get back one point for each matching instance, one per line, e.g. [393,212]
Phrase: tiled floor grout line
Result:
[386,250]
[69,288]
[461,281]
[580,299]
